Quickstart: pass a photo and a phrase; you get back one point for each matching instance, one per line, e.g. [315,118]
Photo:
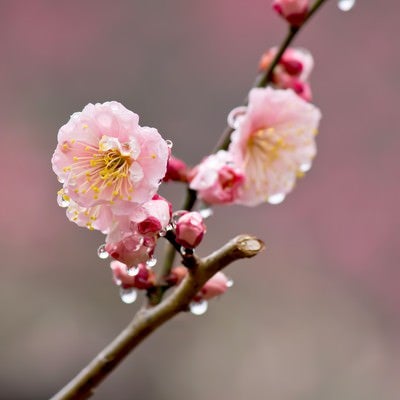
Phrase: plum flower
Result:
[133,237]
[273,144]
[105,159]
[216,179]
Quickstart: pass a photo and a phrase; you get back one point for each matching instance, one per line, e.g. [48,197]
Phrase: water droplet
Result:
[198,307]
[61,180]
[164,231]
[169,143]
[186,252]
[235,116]
[151,262]
[133,271]
[117,281]
[128,296]
[176,215]
[276,198]
[102,252]
[346,5]
[230,283]
[305,167]
[206,212]
[62,200]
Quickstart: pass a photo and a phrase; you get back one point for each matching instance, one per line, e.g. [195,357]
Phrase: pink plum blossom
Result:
[133,237]
[190,229]
[274,143]
[293,70]
[105,158]
[294,11]
[216,179]
[97,217]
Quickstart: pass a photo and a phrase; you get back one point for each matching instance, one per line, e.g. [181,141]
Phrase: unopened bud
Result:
[176,170]
[190,230]
[294,11]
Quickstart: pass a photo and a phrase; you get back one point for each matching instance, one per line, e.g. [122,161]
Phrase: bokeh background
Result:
[317,315]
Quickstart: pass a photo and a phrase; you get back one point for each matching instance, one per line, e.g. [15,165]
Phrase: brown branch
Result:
[148,319]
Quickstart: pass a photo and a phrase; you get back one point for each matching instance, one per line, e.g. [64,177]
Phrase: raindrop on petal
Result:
[229,283]
[176,215]
[346,5]
[164,231]
[151,262]
[276,198]
[133,271]
[305,167]
[102,252]
[169,143]
[198,307]
[62,200]
[128,296]
[235,116]
[206,212]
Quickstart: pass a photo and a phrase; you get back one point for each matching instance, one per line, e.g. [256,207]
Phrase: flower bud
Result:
[214,287]
[216,179]
[130,250]
[190,229]
[144,279]
[176,275]
[176,170]
[294,11]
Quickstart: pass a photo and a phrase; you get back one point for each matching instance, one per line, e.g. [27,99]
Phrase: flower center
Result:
[104,170]
[265,145]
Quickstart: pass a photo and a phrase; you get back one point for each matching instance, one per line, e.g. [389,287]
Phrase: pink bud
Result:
[144,279]
[190,229]
[131,250]
[176,170]
[176,276]
[294,11]
[291,65]
[214,287]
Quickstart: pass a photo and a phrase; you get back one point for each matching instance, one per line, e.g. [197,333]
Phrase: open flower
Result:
[105,158]
[273,144]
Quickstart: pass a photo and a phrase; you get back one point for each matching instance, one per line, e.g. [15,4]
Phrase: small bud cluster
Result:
[292,71]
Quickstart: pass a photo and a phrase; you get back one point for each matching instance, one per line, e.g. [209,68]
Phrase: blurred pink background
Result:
[317,316]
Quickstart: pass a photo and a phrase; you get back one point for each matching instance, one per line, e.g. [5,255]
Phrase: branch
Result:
[148,319]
